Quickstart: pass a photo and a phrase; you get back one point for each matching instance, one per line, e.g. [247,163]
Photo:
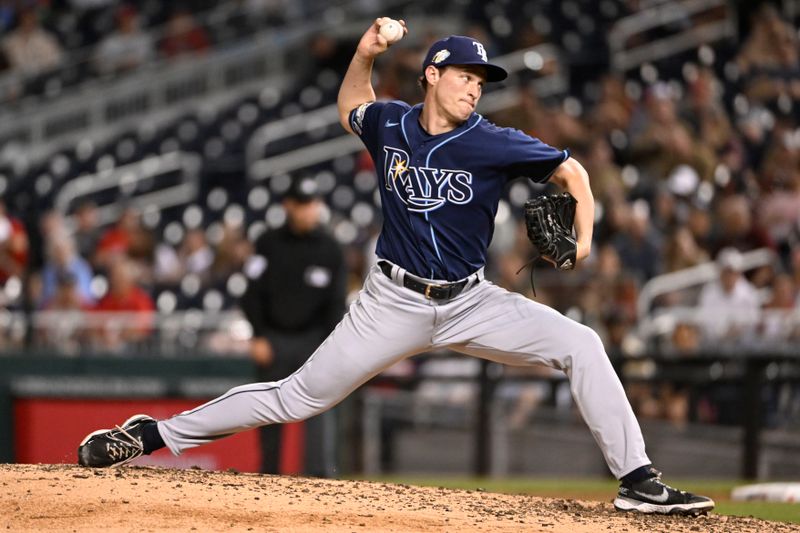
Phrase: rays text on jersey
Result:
[423,188]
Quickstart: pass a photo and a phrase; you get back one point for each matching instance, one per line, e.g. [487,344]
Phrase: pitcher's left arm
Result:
[573,178]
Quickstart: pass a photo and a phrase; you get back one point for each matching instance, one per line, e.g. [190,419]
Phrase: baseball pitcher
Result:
[441,170]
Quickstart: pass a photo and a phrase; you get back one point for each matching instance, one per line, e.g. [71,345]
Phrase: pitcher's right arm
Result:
[356,86]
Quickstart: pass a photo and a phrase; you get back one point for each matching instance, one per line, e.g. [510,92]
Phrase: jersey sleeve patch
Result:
[357,117]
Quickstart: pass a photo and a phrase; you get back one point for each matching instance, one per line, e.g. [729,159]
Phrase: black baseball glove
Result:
[549,222]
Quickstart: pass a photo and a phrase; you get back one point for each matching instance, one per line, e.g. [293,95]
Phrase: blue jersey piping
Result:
[403,126]
[428,159]
[427,163]
[435,245]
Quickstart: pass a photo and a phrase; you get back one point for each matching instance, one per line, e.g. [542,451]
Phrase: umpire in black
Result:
[295,297]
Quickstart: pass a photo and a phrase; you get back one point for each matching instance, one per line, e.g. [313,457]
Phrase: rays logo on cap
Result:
[481,51]
[440,56]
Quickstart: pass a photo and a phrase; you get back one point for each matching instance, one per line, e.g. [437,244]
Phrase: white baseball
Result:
[391,30]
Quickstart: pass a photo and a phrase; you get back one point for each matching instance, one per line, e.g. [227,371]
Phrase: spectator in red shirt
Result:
[14,246]
[184,36]
[115,241]
[128,239]
[134,304]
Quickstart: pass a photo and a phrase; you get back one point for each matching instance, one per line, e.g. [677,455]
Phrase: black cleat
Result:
[653,496]
[114,447]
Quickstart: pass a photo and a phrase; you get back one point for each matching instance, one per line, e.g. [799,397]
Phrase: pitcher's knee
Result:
[303,403]
[586,342]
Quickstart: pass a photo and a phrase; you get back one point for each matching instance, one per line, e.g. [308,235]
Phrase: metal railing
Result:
[701,21]
[777,329]
[125,180]
[154,95]
[694,277]
[73,333]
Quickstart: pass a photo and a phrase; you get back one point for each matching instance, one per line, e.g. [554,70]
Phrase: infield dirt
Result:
[141,499]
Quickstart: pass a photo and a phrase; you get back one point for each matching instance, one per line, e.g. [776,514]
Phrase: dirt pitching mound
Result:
[71,498]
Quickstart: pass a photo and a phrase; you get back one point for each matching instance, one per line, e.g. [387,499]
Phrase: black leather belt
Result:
[435,291]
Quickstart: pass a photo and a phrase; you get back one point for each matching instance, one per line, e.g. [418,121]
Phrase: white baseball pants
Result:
[388,323]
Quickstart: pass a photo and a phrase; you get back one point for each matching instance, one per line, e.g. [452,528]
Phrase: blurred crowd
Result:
[84,268]
[47,44]
[696,163]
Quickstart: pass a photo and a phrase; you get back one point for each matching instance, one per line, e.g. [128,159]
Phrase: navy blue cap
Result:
[461,50]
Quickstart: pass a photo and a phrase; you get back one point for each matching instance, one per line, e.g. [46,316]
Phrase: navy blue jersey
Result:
[440,192]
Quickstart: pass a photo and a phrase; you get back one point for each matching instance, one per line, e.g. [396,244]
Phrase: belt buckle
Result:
[428,288]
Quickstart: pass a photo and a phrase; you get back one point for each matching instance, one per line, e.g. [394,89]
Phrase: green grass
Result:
[604,490]
[780,512]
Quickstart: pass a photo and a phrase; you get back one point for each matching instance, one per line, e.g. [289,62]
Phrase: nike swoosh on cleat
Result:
[390,124]
[660,498]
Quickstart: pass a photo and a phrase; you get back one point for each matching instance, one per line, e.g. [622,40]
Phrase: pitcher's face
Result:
[457,89]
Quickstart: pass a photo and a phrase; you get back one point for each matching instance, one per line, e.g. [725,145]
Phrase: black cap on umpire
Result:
[303,190]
